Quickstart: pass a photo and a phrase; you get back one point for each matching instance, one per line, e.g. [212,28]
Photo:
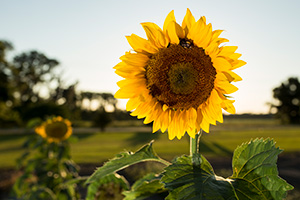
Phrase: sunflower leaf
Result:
[114,178]
[255,176]
[145,187]
[255,171]
[187,179]
[124,160]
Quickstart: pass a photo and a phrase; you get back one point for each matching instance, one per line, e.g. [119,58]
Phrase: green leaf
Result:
[194,178]
[115,178]
[145,187]
[124,160]
[255,176]
[255,171]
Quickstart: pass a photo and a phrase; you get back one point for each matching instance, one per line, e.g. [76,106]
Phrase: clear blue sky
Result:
[88,37]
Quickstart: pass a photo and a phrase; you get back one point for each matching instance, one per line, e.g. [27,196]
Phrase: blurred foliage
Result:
[288,96]
[102,119]
[32,87]
[48,171]
[43,110]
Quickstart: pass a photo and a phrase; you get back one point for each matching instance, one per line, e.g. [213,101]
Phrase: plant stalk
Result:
[195,143]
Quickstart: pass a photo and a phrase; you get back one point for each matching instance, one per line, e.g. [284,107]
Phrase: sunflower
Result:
[55,130]
[180,77]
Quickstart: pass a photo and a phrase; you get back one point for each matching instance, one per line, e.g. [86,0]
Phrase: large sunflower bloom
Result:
[55,130]
[180,77]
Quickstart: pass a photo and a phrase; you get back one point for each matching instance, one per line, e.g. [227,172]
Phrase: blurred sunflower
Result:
[180,77]
[55,130]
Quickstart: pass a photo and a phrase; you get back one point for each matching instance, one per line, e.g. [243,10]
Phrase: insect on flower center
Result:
[180,76]
[56,129]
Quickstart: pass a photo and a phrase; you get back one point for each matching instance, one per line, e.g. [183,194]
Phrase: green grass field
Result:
[221,141]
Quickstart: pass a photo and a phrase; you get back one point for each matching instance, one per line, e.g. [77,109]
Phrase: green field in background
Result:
[221,141]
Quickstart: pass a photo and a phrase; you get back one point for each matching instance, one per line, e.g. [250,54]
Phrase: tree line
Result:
[32,87]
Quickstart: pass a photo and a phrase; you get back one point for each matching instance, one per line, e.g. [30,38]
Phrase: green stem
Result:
[195,143]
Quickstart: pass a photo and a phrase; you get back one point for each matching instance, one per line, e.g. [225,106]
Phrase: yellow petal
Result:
[196,29]
[165,107]
[191,132]
[215,106]
[140,44]
[227,51]
[172,131]
[174,31]
[199,119]
[149,118]
[188,21]
[228,106]
[128,92]
[216,34]
[129,68]
[155,35]
[192,117]
[208,115]
[201,33]
[132,83]
[130,74]
[141,110]
[215,97]
[221,64]
[235,56]
[157,122]
[132,104]
[164,121]
[231,76]
[170,18]
[135,59]
[153,114]
[212,50]
[226,87]
[205,37]
[205,125]
[238,64]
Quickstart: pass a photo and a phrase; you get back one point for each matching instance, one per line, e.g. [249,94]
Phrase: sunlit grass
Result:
[98,147]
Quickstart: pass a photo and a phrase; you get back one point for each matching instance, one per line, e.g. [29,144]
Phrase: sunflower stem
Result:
[195,143]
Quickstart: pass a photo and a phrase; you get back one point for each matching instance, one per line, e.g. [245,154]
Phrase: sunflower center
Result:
[180,76]
[56,129]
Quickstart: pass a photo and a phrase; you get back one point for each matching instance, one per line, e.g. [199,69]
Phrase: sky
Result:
[88,37]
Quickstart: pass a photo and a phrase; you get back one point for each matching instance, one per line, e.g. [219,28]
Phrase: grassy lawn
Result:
[223,139]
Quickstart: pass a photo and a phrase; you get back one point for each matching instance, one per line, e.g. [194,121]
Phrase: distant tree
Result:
[288,96]
[8,117]
[29,74]
[102,118]
[103,100]
[44,110]
[4,65]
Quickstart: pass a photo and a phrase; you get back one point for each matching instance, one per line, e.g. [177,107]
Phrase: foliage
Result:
[255,175]
[147,186]
[48,171]
[102,119]
[44,110]
[4,84]
[122,161]
[108,187]
[32,81]
[288,95]
[29,73]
